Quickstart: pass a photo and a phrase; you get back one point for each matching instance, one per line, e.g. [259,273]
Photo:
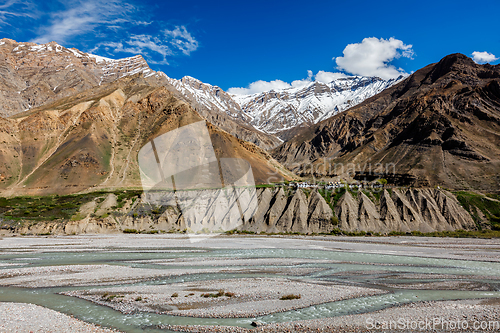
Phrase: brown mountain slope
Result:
[441,125]
[91,141]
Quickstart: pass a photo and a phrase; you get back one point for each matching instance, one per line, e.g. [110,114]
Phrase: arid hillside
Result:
[90,141]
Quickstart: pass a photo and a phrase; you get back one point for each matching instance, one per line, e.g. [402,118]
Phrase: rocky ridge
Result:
[217,106]
[32,75]
[277,111]
[284,211]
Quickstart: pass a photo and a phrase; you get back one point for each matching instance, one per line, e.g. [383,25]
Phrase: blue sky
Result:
[260,45]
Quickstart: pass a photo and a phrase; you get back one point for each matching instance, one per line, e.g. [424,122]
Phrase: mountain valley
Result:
[72,122]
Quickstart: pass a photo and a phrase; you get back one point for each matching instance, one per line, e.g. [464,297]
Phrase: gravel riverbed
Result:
[22,317]
[239,298]
[438,316]
[253,272]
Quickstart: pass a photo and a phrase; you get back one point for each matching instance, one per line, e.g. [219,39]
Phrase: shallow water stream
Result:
[386,272]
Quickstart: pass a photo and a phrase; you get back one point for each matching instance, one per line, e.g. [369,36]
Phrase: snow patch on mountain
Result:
[207,95]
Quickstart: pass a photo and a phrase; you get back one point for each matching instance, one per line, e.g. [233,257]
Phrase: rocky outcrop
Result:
[389,215]
[368,214]
[320,215]
[452,211]
[276,208]
[279,212]
[347,212]
[91,141]
[33,75]
[294,217]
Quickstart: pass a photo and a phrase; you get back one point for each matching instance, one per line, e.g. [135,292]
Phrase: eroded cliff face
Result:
[282,210]
[424,210]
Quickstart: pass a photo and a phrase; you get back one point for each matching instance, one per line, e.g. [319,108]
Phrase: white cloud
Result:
[303,82]
[327,77]
[259,86]
[8,4]
[148,46]
[262,86]
[16,8]
[144,23]
[154,49]
[105,27]
[483,57]
[82,16]
[140,43]
[372,57]
[181,39]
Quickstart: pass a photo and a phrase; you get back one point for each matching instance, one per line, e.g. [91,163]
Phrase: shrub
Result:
[175,295]
[397,233]
[338,194]
[112,297]
[289,297]
[382,181]
[336,231]
[473,202]
[130,231]
[219,294]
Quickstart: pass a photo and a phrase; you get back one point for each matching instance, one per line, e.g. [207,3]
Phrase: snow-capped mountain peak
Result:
[277,110]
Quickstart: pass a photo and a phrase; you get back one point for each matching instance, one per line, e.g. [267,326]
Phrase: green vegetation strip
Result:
[488,205]
[55,207]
